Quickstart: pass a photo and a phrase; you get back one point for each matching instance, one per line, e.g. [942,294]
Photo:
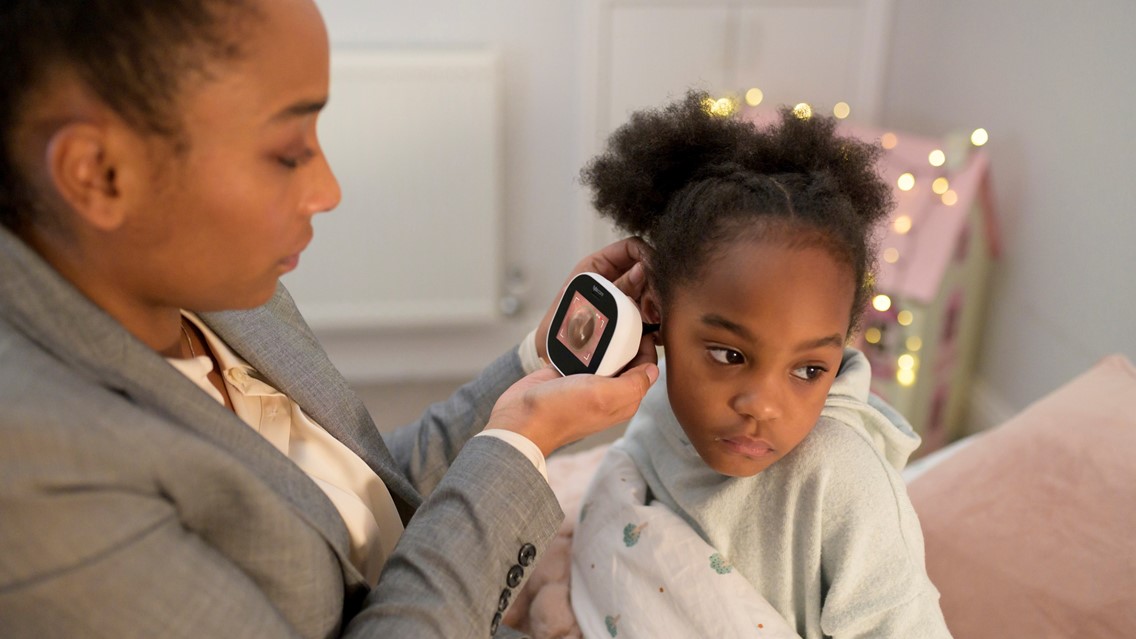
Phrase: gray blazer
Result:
[133,505]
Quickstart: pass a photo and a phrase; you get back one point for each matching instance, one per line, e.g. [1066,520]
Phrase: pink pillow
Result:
[1030,529]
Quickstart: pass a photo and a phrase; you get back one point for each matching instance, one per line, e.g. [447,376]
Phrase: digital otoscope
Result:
[596,328]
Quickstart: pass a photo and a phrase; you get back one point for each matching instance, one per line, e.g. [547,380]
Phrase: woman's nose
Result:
[324,193]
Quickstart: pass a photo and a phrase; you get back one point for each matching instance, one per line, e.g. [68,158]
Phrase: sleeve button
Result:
[503,602]
[514,576]
[496,622]
[527,554]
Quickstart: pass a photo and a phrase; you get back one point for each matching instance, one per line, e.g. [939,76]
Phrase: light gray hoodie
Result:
[827,534]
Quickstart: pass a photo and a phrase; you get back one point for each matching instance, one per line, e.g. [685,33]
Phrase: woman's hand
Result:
[554,411]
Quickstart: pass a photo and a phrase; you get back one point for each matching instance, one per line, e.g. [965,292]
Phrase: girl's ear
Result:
[649,307]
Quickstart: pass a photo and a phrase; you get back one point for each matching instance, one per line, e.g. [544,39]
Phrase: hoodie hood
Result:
[851,397]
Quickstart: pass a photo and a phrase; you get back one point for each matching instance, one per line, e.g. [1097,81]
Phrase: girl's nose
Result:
[760,401]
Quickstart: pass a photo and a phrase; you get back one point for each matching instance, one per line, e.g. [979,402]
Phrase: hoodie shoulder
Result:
[851,403]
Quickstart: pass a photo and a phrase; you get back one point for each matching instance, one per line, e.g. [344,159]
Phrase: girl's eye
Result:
[726,356]
[809,373]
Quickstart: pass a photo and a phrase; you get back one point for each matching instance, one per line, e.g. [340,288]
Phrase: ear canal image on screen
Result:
[582,328]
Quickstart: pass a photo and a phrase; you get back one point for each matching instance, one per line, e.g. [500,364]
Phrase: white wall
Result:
[1055,84]
[538,43]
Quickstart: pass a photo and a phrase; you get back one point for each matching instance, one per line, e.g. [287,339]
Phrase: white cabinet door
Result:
[644,53]
[415,140]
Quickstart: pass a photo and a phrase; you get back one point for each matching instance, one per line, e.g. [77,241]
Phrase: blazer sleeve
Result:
[469,548]
[158,580]
[425,450]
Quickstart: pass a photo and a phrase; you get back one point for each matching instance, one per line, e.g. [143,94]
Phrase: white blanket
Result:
[646,573]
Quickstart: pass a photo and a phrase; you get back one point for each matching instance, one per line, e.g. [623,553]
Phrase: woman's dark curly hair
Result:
[133,54]
[688,182]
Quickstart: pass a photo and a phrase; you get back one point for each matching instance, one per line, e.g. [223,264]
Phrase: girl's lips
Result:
[748,446]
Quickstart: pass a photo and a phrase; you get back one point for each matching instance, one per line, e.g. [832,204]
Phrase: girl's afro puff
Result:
[688,181]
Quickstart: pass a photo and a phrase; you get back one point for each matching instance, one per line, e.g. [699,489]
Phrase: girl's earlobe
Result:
[649,307]
[651,312]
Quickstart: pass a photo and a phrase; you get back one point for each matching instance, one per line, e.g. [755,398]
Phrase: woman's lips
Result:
[290,262]
[748,446]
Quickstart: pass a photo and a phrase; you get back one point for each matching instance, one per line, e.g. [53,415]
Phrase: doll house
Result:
[922,329]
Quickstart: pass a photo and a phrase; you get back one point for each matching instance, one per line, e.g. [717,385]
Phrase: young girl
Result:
[763,440]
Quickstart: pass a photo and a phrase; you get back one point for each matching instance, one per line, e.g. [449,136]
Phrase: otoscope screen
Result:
[582,328]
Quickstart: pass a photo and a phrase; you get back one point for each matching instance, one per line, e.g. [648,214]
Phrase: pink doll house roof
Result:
[917,251]
[924,244]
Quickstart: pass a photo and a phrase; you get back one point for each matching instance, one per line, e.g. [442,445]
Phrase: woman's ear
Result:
[82,161]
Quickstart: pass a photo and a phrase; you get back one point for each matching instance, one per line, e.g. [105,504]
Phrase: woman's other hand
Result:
[554,411]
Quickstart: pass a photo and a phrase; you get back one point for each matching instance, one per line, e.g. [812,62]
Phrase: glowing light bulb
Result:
[889,141]
[979,137]
[950,198]
[906,361]
[906,182]
[721,107]
[891,255]
[914,343]
[754,96]
[841,110]
[905,318]
[905,377]
[803,111]
[937,157]
[873,335]
[940,186]
[902,224]
[881,302]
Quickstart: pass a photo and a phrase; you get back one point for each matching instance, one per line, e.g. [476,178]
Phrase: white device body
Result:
[596,329]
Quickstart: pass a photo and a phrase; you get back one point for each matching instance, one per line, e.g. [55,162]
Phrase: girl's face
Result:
[752,349]
[226,218]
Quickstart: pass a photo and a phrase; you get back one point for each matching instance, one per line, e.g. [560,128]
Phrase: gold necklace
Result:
[192,353]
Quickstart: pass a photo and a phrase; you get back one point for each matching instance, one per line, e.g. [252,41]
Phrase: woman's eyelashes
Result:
[294,160]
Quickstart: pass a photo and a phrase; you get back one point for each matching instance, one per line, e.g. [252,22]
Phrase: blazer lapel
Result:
[276,340]
[40,303]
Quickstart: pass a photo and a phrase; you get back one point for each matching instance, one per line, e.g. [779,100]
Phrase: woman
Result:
[179,457]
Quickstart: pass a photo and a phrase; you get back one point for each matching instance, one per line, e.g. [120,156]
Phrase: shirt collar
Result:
[236,371]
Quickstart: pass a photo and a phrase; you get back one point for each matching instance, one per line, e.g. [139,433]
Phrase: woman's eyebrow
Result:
[300,109]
